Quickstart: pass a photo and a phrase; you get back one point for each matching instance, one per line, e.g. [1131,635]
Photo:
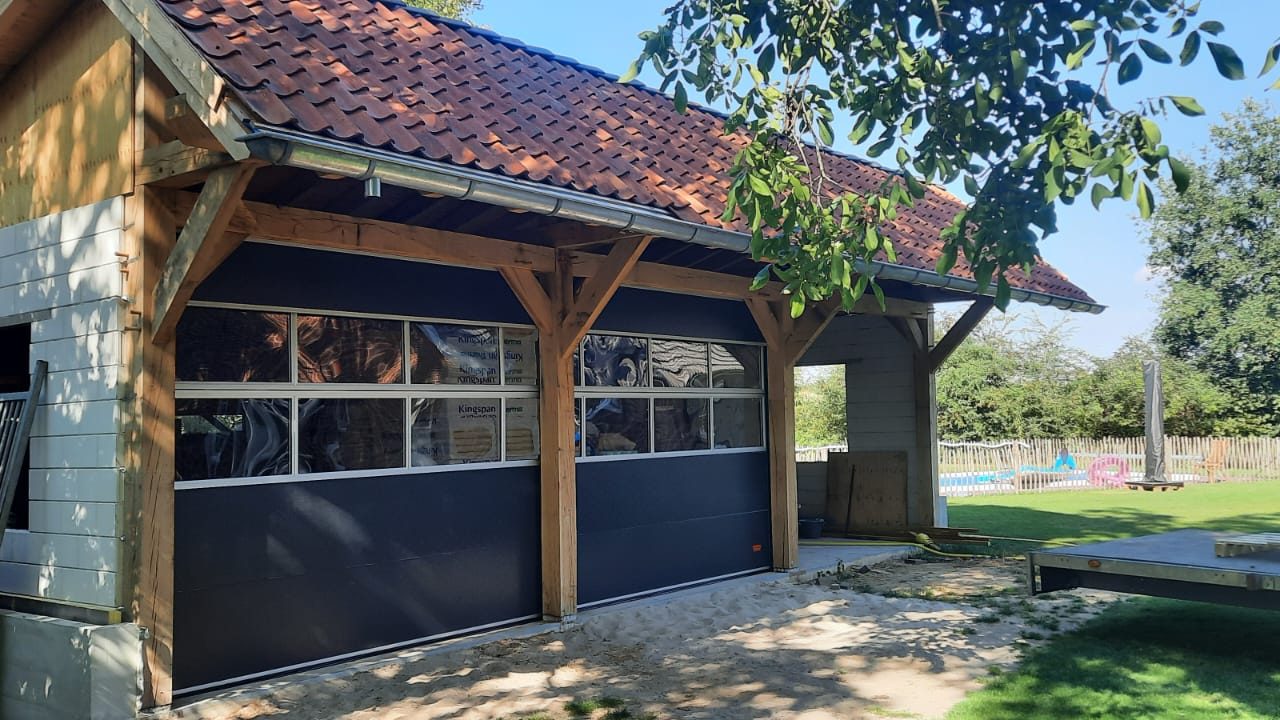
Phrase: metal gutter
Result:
[306,152]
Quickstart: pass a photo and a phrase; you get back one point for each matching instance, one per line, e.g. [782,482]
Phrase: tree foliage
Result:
[820,407]
[1007,96]
[461,9]
[1217,246]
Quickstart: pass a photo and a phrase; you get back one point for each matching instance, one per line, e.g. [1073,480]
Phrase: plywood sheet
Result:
[66,124]
[837,509]
[879,490]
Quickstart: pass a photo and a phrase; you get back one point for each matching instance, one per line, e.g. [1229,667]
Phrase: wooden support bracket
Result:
[202,246]
[958,332]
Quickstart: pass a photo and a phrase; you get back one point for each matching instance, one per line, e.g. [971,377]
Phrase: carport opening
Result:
[15,376]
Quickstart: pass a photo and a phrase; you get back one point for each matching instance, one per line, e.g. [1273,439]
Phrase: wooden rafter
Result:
[958,332]
[184,68]
[204,243]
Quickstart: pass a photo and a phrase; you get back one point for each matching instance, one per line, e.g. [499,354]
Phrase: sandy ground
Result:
[907,639]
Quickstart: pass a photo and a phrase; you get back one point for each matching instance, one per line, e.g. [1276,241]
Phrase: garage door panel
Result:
[238,534]
[470,559]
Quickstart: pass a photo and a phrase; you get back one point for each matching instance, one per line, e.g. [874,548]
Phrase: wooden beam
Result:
[922,486]
[774,321]
[177,164]
[329,231]
[531,295]
[601,286]
[958,332]
[202,246]
[183,121]
[185,68]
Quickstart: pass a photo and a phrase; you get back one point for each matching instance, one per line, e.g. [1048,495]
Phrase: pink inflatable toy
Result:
[1109,471]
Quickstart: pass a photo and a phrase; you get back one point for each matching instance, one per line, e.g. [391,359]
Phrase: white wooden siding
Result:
[65,268]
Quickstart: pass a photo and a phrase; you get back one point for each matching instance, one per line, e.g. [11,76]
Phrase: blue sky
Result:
[1102,251]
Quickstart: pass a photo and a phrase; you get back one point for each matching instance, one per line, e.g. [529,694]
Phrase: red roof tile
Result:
[377,74]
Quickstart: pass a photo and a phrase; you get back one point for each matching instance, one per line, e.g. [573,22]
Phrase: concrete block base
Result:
[53,669]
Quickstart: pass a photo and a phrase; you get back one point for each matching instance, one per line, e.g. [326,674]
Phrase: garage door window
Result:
[267,395]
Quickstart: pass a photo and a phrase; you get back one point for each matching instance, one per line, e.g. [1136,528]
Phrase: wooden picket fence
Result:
[1012,466]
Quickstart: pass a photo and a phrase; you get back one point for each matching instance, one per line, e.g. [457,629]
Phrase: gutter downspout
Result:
[283,147]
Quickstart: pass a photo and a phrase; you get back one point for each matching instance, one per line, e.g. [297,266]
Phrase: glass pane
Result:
[350,350]
[614,361]
[617,426]
[520,349]
[451,431]
[338,434]
[522,428]
[217,345]
[680,424]
[453,354]
[738,423]
[735,366]
[231,438]
[679,364]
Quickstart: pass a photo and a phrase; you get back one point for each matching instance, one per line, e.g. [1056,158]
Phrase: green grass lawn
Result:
[1093,515]
[1146,658]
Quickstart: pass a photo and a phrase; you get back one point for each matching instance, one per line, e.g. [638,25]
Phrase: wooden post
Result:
[786,341]
[563,314]
[923,485]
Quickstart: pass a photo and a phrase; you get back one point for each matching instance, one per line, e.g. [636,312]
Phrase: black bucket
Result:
[810,528]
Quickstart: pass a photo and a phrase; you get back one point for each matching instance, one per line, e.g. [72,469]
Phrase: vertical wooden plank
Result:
[783,490]
[923,484]
[146,394]
[559,482]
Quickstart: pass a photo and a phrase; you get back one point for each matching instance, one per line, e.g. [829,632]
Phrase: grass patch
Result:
[1092,516]
[1146,658]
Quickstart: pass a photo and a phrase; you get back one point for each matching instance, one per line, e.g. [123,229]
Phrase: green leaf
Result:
[1083,25]
[759,186]
[1190,48]
[860,287]
[947,260]
[681,99]
[797,304]
[1186,105]
[632,71]
[971,186]
[767,58]
[1273,56]
[878,149]
[1228,62]
[1150,131]
[1099,193]
[824,132]
[875,290]
[1130,68]
[1019,64]
[871,239]
[1146,202]
[1003,291]
[761,279]
[1154,51]
[1181,174]
[1213,27]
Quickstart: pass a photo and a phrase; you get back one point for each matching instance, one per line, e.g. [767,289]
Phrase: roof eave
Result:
[280,146]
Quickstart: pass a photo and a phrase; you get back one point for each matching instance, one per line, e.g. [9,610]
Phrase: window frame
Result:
[581,392]
[406,390]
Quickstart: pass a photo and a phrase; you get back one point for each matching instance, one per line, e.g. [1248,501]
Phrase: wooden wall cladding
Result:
[66,126]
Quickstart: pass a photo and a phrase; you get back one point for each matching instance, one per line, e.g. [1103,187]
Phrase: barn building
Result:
[365,328]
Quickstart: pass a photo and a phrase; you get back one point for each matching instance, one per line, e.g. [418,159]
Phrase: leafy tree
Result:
[1112,397]
[1007,96]
[461,9]
[1218,247]
[821,417]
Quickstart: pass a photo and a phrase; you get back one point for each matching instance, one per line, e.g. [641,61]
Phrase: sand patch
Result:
[906,639]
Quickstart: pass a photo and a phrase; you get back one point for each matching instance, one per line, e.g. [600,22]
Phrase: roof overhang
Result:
[329,157]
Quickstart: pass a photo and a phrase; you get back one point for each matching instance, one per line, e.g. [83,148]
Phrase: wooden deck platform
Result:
[1182,564]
